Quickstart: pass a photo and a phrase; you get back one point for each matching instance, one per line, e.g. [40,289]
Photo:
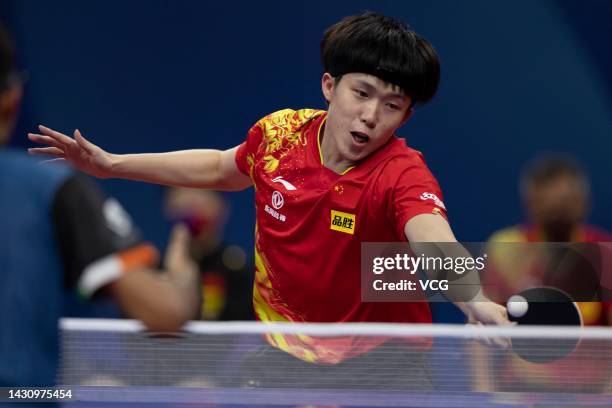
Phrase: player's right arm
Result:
[102,251]
[198,168]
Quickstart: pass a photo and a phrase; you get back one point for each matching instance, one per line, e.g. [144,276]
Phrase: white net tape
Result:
[423,359]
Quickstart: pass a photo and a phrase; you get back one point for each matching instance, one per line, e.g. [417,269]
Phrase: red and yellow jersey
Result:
[311,222]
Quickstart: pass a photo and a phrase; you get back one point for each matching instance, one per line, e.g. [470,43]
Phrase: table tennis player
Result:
[325,181]
[61,233]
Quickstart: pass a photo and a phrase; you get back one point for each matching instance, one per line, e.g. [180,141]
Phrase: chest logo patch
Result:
[277,200]
[343,222]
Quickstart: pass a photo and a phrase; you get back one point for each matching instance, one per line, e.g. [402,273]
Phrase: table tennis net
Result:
[419,358]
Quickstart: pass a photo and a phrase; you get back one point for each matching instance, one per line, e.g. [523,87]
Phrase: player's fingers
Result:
[501,342]
[82,142]
[489,341]
[502,320]
[484,340]
[502,317]
[47,151]
[179,237]
[177,253]
[60,137]
[46,140]
[52,161]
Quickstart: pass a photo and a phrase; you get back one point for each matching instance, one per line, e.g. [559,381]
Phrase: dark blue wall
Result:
[519,78]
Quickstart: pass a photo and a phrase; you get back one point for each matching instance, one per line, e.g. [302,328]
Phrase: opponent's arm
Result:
[101,250]
[203,168]
[163,300]
[432,228]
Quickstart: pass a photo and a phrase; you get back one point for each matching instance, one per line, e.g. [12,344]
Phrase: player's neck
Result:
[330,154]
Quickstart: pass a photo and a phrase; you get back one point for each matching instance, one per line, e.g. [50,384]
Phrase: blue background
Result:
[518,78]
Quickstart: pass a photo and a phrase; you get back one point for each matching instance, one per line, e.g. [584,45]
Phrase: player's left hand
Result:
[79,152]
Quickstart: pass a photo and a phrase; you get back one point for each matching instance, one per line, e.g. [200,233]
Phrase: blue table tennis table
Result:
[232,397]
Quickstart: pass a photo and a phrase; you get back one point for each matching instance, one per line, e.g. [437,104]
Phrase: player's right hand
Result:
[78,151]
[486,312]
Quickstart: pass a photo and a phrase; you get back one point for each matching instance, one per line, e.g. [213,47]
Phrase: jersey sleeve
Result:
[416,191]
[270,134]
[245,156]
[97,239]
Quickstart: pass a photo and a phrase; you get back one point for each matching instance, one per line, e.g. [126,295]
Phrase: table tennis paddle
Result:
[544,306]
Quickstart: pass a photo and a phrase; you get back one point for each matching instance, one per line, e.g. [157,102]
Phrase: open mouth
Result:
[360,138]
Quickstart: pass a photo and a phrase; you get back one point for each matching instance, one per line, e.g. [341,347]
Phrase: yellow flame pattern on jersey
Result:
[282,131]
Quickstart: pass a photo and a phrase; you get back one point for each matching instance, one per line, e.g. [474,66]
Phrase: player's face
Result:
[364,113]
[558,205]
[203,211]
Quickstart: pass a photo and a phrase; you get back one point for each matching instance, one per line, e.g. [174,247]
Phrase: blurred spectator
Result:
[226,277]
[555,193]
[61,233]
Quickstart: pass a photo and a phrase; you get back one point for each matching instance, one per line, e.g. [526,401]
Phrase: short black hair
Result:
[382,46]
[550,167]
[7,59]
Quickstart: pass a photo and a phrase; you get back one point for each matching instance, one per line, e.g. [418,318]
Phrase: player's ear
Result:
[328,84]
[407,115]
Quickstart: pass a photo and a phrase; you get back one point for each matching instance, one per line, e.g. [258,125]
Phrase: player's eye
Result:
[393,106]
[360,93]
